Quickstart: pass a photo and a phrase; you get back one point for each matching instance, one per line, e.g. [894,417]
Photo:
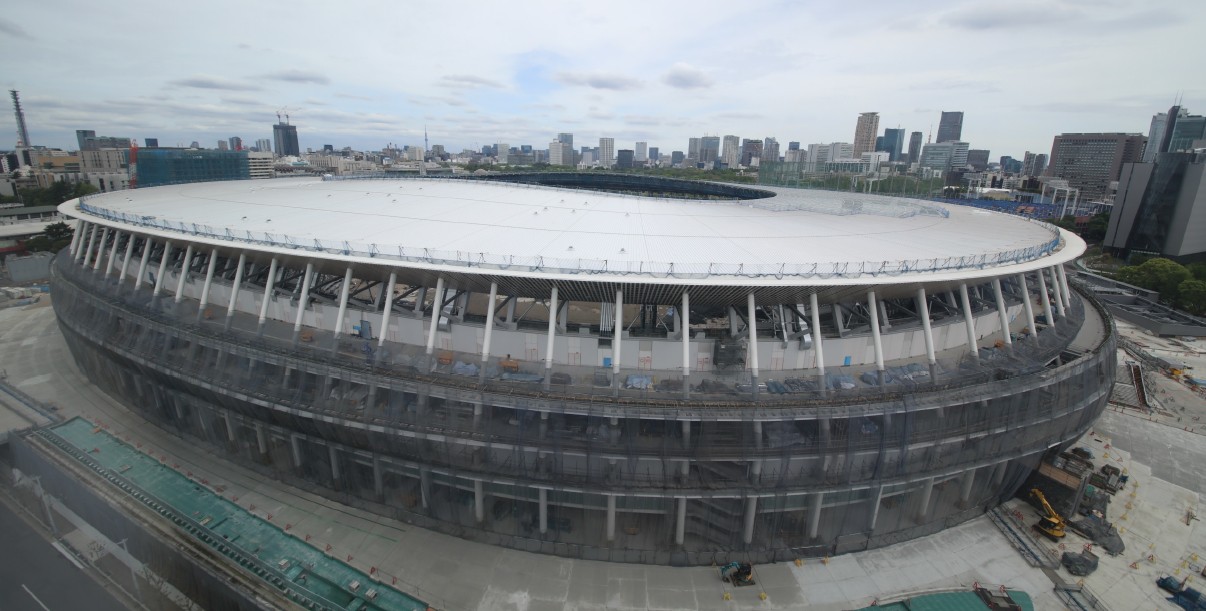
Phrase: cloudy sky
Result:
[368,73]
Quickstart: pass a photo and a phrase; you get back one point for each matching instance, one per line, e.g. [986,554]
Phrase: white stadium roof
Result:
[436,223]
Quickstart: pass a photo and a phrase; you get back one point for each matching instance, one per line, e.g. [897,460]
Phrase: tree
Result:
[1159,274]
[1198,270]
[58,231]
[1191,297]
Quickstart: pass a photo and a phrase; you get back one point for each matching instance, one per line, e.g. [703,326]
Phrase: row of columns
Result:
[89,245]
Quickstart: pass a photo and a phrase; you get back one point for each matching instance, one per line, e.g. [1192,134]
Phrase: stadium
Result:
[596,365]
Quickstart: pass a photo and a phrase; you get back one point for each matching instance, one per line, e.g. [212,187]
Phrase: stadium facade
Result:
[599,366]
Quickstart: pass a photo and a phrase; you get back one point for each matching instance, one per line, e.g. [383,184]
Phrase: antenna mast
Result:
[22,131]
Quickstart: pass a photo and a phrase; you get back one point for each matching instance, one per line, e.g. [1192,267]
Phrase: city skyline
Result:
[538,83]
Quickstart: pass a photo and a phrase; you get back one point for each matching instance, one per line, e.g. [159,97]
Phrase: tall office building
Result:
[950,126]
[978,159]
[693,146]
[1160,207]
[915,146]
[709,149]
[654,154]
[770,149]
[607,152]
[944,156]
[236,143]
[502,151]
[642,153]
[1176,131]
[223,145]
[731,151]
[560,153]
[625,159]
[89,141]
[1040,164]
[1090,162]
[677,158]
[264,145]
[152,143]
[749,150]
[284,137]
[894,143]
[864,133]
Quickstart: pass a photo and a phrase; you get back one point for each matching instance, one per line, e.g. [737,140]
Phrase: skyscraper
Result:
[642,153]
[709,149]
[625,159]
[502,151]
[749,150]
[654,154]
[284,137]
[1174,132]
[607,152]
[978,159]
[236,143]
[915,147]
[693,146]
[731,151]
[1090,162]
[864,133]
[894,143]
[770,149]
[950,127]
[560,153]
[264,144]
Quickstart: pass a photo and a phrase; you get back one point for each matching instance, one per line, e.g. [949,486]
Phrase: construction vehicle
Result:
[1052,524]
[737,573]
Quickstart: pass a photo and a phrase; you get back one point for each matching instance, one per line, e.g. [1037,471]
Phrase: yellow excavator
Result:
[1052,524]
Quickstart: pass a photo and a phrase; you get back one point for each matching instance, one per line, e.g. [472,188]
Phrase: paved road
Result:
[36,577]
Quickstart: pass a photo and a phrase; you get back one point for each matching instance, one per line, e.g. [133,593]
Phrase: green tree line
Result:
[1179,285]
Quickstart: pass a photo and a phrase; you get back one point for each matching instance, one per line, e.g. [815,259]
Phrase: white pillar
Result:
[876,502]
[751,512]
[188,257]
[437,306]
[1063,285]
[1046,300]
[685,316]
[1001,311]
[125,262]
[544,502]
[238,284]
[100,250]
[343,301]
[389,307]
[147,246]
[611,517]
[753,330]
[927,491]
[1028,306]
[968,322]
[303,298]
[815,311]
[617,335]
[923,312]
[814,514]
[73,248]
[1059,298]
[91,244]
[680,524]
[209,280]
[269,283]
[873,315]
[163,263]
[112,254]
[479,501]
[965,486]
[548,347]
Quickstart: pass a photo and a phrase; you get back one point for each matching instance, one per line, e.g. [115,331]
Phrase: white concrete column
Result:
[209,281]
[269,283]
[343,301]
[147,246]
[125,262]
[304,298]
[1029,307]
[236,285]
[815,311]
[1046,300]
[1063,283]
[876,501]
[927,491]
[489,332]
[261,439]
[91,244]
[73,248]
[163,263]
[333,453]
[437,306]
[544,508]
[295,445]
[751,512]
[1059,296]
[1001,311]
[188,257]
[680,524]
[230,430]
[923,312]
[753,330]
[548,347]
[873,315]
[617,334]
[685,317]
[611,517]
[479,501]
[814,514]
[389,307]
[112,254]
[969,323]
[100,250]
[965,485]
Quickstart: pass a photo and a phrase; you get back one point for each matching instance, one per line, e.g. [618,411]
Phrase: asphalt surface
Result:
[36,577]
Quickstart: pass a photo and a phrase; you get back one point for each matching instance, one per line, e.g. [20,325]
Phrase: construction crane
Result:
[1052,524]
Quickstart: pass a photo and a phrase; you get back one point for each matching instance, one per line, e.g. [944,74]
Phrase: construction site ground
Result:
[1161,458]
